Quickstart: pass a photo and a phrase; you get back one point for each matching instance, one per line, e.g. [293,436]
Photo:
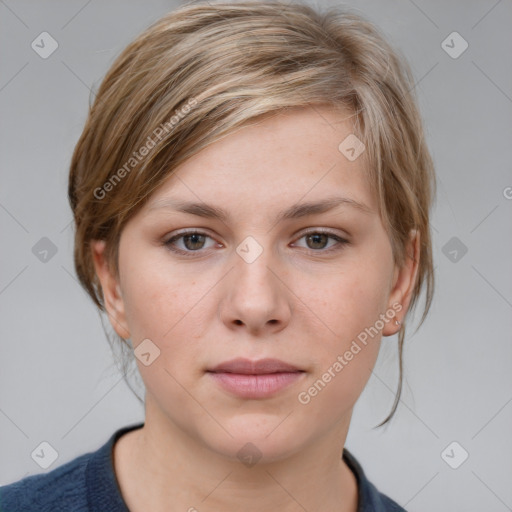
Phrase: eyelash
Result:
[340,245]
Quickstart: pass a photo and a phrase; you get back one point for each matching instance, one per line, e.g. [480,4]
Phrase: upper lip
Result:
[259,367]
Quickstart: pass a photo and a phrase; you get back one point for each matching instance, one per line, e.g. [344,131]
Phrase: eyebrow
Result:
[294,212]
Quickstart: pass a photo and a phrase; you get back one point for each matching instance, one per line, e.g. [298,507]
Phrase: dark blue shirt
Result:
[88,484]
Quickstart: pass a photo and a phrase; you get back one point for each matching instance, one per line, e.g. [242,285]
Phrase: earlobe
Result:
[112,296]
[404,284]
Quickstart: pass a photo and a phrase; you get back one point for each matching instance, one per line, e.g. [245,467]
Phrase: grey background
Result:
[58,382]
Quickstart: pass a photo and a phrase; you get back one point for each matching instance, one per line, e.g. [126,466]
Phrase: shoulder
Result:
[382,502]
[84,484]
[370,498]
[63,488]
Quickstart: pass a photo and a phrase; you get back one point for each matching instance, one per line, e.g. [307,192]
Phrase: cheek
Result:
[345,357]
[159,304]
[349,309]
[164,309]
[170,308]
[353,299]
[155,296]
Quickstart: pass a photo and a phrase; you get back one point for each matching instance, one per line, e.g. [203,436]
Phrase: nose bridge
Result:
[254,263]
[256,297]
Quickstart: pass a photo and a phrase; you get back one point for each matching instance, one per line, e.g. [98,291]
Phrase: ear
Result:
[404,281]
[112,296]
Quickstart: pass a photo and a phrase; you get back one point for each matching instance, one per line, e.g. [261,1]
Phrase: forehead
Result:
[273,161]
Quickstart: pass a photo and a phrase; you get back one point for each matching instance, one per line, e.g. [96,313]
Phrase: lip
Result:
[259,367]
[255,379]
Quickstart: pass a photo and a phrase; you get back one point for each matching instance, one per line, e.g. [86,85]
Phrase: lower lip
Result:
[255,386]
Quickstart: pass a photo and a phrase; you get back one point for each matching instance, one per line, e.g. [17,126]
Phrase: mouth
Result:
[259,367]
[255,379]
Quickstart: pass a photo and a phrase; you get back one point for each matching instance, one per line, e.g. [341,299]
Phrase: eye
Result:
[192,240]
[318,239]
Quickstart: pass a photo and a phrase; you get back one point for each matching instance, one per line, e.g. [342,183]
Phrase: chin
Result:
[258,436]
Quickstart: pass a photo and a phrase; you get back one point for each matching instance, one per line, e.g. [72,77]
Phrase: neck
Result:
[160,467]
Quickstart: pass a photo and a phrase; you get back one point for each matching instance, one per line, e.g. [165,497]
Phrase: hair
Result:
[204,70]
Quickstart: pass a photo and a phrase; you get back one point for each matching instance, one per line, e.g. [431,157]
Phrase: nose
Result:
[256,297]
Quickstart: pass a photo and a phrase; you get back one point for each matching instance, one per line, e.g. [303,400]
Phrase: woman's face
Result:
[255,284]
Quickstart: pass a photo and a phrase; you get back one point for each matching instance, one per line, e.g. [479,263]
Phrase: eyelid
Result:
[341,240]
[188,231]
[327,231]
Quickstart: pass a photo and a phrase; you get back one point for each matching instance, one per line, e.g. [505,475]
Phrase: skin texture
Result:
[297,301]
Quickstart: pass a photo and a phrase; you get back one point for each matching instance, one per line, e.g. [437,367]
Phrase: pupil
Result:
[193,236]
[315,236]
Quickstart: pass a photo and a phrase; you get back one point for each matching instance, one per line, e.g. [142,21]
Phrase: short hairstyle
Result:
[204,70]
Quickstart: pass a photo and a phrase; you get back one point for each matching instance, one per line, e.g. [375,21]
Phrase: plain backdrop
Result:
[58,381]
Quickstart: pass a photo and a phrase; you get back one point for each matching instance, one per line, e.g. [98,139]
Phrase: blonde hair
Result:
[204,70]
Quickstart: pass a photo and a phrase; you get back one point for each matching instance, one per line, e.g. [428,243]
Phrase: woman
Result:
[251,195]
